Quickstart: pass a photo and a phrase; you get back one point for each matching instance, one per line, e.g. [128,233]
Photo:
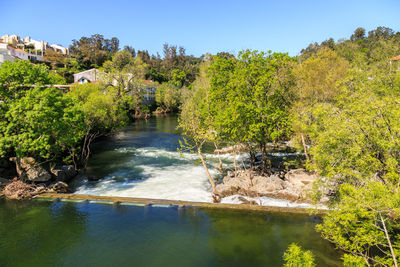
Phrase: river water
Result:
[143,161]
[43,233]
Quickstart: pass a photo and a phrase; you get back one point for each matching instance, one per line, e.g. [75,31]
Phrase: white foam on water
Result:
[185,182]
[267,201]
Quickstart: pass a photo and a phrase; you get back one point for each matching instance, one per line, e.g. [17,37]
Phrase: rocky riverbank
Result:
[295,185]
[32,179]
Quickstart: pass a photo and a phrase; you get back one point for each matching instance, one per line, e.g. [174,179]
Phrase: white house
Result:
[60,49]
[87,76]
[94,75]
[16,41]
[10,53]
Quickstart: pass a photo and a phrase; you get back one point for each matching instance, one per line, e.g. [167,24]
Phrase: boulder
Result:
[265,185]
[290,193]
[28,170]
[224,190]
[64,173]
[58,187]
[300,177]
[235,185]
[295,185]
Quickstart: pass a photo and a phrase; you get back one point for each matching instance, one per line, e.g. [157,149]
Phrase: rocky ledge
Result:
[295,185]
[33,179]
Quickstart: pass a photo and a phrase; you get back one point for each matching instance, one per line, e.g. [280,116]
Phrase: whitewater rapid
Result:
[143,162]
[186,181]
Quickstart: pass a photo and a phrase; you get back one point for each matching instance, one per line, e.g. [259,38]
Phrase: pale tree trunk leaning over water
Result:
[206,168]
[219,159]
[304,146]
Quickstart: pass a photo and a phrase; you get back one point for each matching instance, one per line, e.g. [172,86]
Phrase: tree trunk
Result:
[252,158]
[234,162]
[219,159]
[206,169]
[389,243]
[264,158]
[304,146]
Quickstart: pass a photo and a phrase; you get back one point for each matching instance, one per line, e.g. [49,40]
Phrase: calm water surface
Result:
[41,233]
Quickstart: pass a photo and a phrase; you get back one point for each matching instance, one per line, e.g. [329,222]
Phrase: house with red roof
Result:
[395,63]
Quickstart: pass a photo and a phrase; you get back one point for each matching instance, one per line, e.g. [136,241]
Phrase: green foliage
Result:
[251,98]
[347,106]
[178,77]
[364,223]
[104,112]
[102,108]
[296,257]
[357,137]
[126,75]
[168,96]
[18,76]
[43,124]
[93,51]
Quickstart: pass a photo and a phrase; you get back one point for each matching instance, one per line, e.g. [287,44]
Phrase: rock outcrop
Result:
[295,186]
[58,187]
[29,171]
[34,179]
[64,173]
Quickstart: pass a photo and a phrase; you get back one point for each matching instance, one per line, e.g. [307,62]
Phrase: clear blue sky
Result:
[201,25]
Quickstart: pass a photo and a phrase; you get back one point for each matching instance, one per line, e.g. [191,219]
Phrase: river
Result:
[44,233]
[142,161]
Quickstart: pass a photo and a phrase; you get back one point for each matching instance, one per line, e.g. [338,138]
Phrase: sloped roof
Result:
[395,58]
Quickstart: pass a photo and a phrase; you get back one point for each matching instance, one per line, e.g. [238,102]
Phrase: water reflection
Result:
[37,233]
[32,233]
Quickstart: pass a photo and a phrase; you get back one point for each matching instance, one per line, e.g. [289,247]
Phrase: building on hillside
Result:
[87,76]
[16,41]
[13,40]
[150,93]
[94,76]
[10,53]
[395,63]
[59,49]
[37,45]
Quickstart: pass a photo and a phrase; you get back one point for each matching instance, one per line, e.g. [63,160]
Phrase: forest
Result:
[337,102]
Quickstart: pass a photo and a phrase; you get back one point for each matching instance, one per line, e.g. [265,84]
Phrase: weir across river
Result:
[171,203]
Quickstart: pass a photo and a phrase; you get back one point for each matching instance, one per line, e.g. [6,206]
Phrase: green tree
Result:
[251,99]
[296,257]
[93,51]
[318,80]
[42,124]
[103,110]
[364,223]
[358,34]
[168,97]
[19,76]
[126,74]
[178,77]
[196,121]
